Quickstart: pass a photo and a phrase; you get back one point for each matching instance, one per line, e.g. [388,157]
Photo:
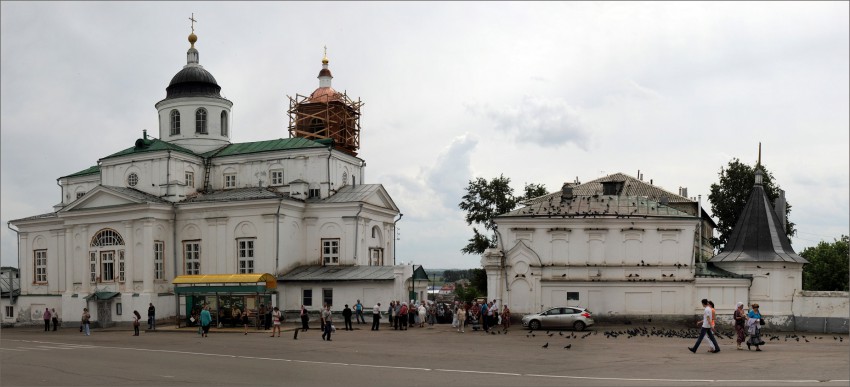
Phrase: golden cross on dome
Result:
[192,18]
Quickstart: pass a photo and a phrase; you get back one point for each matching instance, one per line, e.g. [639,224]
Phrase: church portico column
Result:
[129,256]
[147,255]
[70,258]
[57,238]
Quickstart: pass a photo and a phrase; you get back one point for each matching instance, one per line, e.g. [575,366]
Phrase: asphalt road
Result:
[432,356]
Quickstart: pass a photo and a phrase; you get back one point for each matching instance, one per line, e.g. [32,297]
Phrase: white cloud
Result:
[541,92]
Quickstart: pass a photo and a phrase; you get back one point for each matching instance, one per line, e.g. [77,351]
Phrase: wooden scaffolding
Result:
[335,116]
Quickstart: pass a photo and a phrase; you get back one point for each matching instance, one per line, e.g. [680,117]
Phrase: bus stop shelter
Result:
[223,293]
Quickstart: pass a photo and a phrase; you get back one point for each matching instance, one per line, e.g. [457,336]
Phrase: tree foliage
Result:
[828,265]
[729,196]
[483,201]
[477,285]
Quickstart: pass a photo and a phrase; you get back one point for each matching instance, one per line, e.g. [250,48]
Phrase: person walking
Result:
[706,329]
[137,317]
[461,318]
[713,330]
[277,318]
[151,317]
[740,320]
[86,321]
[376,317]
[346,315]
[267,318]
[327,321]
[55,317]
[206,320]
[305,318]
[46,315]
[358,313]
[402,317]
[754,323]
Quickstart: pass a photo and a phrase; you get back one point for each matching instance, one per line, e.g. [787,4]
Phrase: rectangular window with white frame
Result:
[93,267]
[10,312]
[192,257]
[330,251]
[245,254]
[158,260]
[40,257]
[327,297]
[107,266]
[121,266]
[307,297]
[276,177]
[190,179]
[230,180]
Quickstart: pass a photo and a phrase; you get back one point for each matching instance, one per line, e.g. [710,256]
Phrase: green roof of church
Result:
[150,145]
[265,146]
[88,171]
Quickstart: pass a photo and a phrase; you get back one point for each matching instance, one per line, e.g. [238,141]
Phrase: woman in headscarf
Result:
[740,320]
[754,327]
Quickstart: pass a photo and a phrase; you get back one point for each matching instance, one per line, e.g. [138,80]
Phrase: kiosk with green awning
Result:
[226,294]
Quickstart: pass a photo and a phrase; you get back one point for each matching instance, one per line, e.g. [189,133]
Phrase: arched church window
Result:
[201,121]
[316,125]
[107,237]
[175,122]
[224,123]
[344,178]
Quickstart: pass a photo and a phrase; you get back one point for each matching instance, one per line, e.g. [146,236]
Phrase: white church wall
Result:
[817,311]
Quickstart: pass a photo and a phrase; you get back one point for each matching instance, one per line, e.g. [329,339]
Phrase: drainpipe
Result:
[167,174]
[277,237]
[12,299]
[356,231]
[174,259]
[394,238]
[330,152]
[504,258]
[699,233]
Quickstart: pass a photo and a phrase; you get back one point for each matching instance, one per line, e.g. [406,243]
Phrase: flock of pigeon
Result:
[666,333]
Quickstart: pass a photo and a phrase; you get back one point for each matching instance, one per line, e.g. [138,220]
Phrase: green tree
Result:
[828,265]
[729,196]
[466,293]
[478,280]
[483,201]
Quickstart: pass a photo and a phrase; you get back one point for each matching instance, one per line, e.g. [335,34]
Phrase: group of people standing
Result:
[50,315]
[486,314]
[751,321]
[403,315]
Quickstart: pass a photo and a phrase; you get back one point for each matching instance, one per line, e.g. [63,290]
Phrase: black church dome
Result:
[193,81]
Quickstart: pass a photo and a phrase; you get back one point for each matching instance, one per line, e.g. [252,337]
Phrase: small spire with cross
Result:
[325,58]
[192,18]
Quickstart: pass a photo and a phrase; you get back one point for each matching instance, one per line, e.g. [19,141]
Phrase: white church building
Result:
[189,217]
[631,251]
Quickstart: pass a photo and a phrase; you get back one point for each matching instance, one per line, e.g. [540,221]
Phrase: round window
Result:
[132,179]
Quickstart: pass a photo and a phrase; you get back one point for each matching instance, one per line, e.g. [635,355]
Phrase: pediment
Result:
[100,197]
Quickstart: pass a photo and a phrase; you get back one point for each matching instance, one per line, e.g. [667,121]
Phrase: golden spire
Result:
[192,37]
[325,58]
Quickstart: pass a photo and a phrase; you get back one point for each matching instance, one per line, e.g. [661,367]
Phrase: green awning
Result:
[102,295]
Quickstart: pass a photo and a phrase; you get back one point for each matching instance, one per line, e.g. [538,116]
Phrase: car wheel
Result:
[579,326]
[534,325]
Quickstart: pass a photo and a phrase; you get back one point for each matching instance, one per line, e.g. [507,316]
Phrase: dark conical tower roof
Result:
[759,235]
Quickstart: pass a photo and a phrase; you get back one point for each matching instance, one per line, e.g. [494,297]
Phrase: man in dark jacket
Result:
[346,314]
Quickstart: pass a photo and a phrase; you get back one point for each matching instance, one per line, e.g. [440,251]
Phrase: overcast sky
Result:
[540,92]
